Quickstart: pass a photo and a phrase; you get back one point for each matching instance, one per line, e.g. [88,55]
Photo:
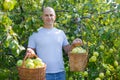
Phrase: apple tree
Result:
[96,22]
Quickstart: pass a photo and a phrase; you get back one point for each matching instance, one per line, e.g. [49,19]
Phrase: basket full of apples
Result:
[78,58]
[31,68]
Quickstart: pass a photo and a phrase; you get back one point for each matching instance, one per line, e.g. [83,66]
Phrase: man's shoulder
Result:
[35,33]
[57,29]
[39,29]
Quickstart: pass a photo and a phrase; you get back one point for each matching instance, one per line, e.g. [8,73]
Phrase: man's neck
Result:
[48,26]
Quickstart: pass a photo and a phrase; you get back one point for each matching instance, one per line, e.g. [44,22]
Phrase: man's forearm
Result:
[67,48]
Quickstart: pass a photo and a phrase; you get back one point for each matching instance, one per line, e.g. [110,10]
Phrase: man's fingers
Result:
[77,42]
[30,52]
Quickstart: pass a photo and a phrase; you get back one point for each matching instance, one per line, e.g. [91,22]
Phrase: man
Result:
[48,43]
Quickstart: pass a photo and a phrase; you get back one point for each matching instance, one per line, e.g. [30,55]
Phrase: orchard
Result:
[96,22]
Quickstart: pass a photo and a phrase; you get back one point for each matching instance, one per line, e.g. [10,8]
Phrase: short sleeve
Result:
[65,41]
[31,42]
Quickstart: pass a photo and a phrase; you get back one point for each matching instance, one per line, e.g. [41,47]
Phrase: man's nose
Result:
[49,16]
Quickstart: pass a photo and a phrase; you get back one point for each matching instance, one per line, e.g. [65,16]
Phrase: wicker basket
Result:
[31,74]
[78,62]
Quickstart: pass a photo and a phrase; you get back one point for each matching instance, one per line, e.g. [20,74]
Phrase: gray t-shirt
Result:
[48,44]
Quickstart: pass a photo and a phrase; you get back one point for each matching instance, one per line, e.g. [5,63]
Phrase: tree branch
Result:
[84,17]
[22,11]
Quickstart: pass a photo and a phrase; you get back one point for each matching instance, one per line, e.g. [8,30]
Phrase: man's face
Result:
[48,16]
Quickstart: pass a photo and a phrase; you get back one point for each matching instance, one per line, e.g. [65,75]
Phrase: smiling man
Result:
[48,17]
[49,43]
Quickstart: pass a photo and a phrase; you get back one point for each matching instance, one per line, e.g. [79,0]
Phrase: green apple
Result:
[107,72]
[28,60]
[115,63]
[19,63]
[101,75]
[95,54]
[42,64]
[9,4]
[37,61]
[78,50]
[111,50]
[97,78]
[83,51]
[75,50]
[39,65]
[93,59]
[102,47]
[85,74]
[30,65]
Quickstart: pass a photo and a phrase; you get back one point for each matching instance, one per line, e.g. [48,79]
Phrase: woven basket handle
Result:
[26,57]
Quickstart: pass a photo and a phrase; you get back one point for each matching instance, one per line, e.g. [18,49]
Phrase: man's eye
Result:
[51,15]
[46,15]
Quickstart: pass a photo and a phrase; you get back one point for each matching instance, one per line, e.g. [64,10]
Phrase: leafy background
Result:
[96,22]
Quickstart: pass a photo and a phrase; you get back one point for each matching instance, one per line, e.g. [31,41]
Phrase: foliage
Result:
[95,21]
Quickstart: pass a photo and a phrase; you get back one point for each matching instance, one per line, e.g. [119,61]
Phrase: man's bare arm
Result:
[67,48]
